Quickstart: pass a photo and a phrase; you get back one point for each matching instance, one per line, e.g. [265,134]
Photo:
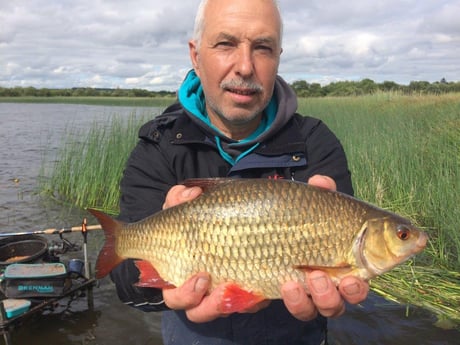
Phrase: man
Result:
[236,118]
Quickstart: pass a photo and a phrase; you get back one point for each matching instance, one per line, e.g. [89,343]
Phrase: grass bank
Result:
[404,153]
[110,101]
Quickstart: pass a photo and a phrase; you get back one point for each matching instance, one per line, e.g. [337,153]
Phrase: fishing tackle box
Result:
[35,280]
[15,307]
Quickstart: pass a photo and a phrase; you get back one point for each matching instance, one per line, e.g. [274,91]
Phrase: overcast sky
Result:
[143,43]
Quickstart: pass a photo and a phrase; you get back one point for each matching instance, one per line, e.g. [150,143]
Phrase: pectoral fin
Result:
[338,271]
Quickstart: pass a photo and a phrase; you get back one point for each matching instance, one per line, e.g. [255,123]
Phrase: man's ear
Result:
[194,56]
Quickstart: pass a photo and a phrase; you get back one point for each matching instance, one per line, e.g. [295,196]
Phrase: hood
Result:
[280,109]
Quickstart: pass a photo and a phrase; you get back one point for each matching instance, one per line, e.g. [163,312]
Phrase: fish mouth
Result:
[421,242]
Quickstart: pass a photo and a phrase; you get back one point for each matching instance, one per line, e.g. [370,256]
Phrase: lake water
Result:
[32,133]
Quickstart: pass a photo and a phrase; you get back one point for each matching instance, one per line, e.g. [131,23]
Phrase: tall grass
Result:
[90,163]
[403,151]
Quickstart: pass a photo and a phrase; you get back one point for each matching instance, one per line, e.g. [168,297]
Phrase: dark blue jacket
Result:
[174,147]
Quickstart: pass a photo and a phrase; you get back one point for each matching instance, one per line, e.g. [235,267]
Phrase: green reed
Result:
[90,163]
[404,154]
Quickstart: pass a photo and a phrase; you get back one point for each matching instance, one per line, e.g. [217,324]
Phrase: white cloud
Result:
[143,43]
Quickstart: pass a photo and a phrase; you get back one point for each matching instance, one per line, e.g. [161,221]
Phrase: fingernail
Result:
[201,285]
[351,289]
[292,295]
[319,284]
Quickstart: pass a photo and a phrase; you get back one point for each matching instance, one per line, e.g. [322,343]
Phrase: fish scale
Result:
[259,233]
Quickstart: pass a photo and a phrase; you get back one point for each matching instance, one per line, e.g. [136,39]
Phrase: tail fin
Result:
[108,258]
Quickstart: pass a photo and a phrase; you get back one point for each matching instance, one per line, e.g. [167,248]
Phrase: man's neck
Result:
[235,130]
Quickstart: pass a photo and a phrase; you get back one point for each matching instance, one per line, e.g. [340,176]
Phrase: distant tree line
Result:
[368,86]
[301,87]
[80,92]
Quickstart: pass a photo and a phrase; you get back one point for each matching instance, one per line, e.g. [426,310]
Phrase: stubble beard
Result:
[246,115]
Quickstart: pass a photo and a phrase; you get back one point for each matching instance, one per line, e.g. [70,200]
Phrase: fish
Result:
[255,234]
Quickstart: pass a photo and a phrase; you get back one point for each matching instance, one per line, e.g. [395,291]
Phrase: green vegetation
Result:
[80,92]
[404,152]
[111,101]
[90,163]
[301,87]
[369,87]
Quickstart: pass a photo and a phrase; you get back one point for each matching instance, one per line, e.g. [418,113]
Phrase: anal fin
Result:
[149,276]
[235,299]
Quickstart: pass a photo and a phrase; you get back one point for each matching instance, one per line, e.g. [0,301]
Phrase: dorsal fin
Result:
[206,183]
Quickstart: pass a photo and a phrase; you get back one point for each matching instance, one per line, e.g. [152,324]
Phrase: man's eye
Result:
[224,44]
[264,48]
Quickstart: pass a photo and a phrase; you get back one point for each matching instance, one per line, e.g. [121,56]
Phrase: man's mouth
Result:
[243,92]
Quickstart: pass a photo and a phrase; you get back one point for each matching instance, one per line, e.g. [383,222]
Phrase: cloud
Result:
[143,43]
[392,40]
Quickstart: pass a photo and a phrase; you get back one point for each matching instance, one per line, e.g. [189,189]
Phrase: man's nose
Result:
[245,61]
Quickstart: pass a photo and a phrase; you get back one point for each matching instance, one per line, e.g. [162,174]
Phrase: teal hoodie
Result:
[279,110]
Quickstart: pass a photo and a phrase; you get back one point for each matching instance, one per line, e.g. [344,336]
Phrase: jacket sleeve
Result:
[144,184]
[125,277]
[326,156]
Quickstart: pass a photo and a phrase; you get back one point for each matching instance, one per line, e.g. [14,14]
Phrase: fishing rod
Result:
[53,231]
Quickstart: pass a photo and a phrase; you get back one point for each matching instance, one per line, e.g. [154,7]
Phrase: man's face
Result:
[237,61]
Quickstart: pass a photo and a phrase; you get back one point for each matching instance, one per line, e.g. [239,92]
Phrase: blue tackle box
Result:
[15,307]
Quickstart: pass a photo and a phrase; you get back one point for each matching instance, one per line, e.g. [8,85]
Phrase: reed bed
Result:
[434,289]
[403,151]
[90,163]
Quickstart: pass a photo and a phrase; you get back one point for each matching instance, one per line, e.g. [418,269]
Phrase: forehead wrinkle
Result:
[232,37]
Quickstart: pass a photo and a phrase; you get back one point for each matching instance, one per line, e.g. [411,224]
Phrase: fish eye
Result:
[403,233]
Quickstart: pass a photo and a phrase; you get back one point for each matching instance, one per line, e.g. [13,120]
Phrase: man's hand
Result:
[323,296]
[179,194]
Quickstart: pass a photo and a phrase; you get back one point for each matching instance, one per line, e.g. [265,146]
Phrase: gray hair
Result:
[199,22]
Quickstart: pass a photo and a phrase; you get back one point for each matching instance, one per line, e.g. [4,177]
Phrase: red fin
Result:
[149,276]
[206,183]
[235,299]
[108,259]
[334,271]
